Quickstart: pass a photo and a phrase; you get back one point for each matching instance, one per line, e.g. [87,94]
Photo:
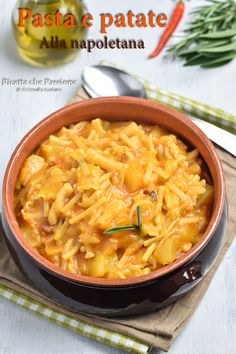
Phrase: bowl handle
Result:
[176,284]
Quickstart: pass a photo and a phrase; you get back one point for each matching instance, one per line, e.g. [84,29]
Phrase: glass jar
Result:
[48,45]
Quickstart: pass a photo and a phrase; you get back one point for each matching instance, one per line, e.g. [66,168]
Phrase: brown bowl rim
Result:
[93,281]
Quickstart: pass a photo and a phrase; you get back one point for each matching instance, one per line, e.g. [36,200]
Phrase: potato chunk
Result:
[101,265]
[31,165]
[167,252]
[134,176]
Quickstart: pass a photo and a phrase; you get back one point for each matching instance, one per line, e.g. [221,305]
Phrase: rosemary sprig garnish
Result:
[131,227]
[120,229]
[140,222]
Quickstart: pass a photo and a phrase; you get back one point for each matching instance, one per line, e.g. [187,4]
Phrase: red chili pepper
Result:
[174,21]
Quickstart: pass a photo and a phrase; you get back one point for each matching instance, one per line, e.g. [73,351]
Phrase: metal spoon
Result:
[101,80]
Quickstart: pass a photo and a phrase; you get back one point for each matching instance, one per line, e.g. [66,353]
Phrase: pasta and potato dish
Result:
[113,200]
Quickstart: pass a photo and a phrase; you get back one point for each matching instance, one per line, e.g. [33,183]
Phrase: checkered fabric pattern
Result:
[82,327]
[202,111]
[186,105]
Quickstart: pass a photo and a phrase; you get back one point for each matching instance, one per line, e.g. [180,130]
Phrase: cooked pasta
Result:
[77,197]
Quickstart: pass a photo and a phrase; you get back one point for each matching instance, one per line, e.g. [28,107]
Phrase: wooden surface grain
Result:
[212,329]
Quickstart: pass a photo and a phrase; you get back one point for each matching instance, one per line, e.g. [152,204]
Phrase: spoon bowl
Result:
[105,81]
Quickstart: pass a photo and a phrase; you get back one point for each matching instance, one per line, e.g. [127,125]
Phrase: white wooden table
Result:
[212,329]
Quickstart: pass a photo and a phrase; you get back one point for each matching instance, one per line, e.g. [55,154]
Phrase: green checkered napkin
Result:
[202,111]
[211,114]
[82,327]
[196,109]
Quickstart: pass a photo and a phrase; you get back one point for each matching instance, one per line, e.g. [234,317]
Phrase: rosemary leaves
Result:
[131,227]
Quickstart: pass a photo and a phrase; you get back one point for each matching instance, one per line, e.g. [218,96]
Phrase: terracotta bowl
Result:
[129,296]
